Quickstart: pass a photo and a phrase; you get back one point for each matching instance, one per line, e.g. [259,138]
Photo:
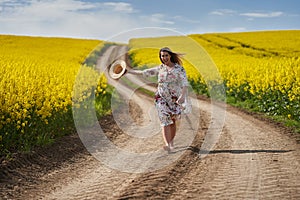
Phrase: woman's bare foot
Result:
[166,148]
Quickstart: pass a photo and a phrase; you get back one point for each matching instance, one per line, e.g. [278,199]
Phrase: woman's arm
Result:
[135,72]
[146,72]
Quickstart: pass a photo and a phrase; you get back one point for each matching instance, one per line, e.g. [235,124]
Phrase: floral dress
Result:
[170,84]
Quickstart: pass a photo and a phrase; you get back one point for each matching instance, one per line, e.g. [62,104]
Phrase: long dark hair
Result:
[175,57]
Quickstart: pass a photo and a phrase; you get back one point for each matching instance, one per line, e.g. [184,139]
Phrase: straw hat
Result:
[117,69]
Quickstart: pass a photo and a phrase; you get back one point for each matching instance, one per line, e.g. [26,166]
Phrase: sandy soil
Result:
[253,158]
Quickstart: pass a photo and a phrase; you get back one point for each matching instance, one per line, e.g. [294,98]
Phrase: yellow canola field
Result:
[263,66]
[37,76]
[262,61]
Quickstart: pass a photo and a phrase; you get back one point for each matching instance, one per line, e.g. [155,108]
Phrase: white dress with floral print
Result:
[170,84]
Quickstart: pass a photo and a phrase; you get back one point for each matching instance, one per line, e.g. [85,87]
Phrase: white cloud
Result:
[12,3]
[67,18]
[157,19]
[262,14]
[73,18]
[120,6]
[222,12]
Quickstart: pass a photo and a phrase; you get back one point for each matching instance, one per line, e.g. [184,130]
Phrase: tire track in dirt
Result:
[21,174]
[161,183]
[259,163]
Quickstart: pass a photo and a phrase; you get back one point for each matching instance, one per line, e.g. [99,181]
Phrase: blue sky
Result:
[107,20]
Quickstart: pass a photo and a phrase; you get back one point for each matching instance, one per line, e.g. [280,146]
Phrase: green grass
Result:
[250,106]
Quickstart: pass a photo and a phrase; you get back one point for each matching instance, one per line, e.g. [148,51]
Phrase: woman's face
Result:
[165,57]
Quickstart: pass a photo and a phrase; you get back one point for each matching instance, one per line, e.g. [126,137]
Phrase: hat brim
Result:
[117,69]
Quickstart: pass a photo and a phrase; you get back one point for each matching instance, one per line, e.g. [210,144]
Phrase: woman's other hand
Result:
[181,99]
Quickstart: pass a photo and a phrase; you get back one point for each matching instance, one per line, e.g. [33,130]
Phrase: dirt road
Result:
[253,158]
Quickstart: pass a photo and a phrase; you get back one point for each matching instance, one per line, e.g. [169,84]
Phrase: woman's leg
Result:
[173,132]
[167,134]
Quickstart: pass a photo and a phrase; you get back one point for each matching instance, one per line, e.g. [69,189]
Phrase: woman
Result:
[171,92]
